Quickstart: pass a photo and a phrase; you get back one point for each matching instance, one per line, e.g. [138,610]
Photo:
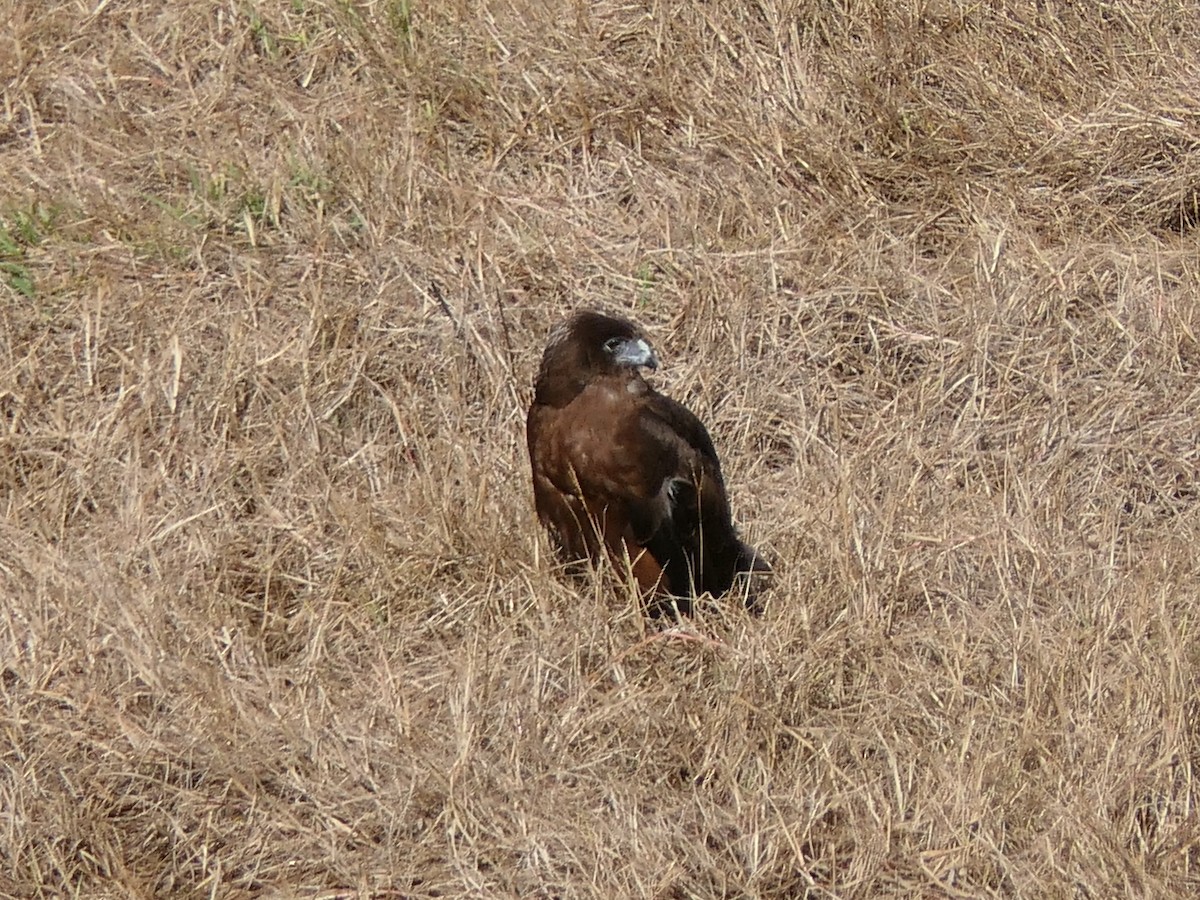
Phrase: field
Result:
[277,616]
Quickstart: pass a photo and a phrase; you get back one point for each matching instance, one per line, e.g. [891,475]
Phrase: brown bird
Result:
[620,466]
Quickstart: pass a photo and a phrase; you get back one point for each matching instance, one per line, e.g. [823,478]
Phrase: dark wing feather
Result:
[676,423]
[699,543]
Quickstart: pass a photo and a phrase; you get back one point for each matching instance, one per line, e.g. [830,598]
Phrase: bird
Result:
[622,469]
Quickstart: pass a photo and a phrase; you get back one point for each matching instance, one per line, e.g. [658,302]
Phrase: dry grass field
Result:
[277,616]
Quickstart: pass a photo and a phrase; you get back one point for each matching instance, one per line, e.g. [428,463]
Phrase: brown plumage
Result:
[620,466]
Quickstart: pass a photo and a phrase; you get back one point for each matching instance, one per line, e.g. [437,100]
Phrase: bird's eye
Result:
[612,344]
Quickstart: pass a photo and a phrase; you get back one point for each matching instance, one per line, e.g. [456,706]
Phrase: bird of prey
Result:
[623,469]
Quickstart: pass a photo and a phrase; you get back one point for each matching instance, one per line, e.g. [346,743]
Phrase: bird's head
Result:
[615,343]
[588,345]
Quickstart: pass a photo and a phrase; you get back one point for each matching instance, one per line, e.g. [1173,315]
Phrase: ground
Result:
[278,617]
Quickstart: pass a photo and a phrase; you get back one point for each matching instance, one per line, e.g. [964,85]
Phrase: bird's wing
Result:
[697,541]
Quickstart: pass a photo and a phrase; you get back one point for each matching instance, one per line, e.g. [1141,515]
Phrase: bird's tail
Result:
[751,562]
[752,569]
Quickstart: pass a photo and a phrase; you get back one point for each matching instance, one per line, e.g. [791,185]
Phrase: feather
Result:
[619,468]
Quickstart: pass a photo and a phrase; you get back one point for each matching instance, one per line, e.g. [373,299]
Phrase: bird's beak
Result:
[637,353]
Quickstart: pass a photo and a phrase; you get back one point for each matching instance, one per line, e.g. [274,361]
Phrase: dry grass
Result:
[277,616]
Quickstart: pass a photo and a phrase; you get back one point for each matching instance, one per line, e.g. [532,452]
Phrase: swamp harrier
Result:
[617,465]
